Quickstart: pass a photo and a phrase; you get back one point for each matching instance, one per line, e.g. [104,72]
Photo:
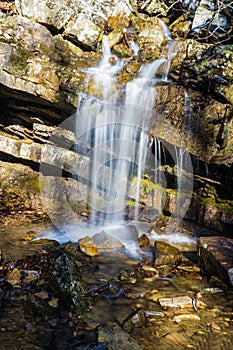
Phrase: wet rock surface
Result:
[66,281]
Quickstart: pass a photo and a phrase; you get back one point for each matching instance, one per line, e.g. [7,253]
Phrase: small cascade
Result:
[180,159]
[134,48]
[184,170]
[157,151]
[206,169]
[171,49]
[187,111]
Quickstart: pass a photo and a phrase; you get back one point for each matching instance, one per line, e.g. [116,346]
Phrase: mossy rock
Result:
[66,282]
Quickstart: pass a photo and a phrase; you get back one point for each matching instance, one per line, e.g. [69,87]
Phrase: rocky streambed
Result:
[102,293]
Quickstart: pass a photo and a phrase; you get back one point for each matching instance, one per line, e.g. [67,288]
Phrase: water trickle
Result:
[206,169]
[184,169]
[187,111]
[158,158]
[134,48]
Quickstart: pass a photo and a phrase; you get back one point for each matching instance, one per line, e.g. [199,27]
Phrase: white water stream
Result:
[115,129]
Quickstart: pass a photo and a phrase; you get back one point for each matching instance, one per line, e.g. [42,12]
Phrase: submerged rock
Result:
[88,246]
[186,317]
[137,319]
[38,306]
[114,337]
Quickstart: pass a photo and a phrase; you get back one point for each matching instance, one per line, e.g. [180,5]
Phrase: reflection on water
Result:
[12,244]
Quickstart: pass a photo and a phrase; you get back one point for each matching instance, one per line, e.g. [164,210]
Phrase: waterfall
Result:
[114,126]
[113,145]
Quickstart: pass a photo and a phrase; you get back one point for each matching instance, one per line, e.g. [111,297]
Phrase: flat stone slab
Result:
[216,257]
[181,302]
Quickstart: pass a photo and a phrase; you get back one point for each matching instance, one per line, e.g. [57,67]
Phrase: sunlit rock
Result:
[71,249]
[154,7]
[83,31]
[180,27]
[88,246]
[21,69]
[105,242]
[49,12]
[143,241]
[206,17]
[30,235]
[14,277]
[58,15]
[203,15]
[46,50]
[151,37]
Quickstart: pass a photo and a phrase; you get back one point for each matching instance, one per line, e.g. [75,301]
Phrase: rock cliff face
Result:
[46,46]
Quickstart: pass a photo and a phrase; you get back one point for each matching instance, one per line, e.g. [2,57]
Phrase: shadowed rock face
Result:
[216,257]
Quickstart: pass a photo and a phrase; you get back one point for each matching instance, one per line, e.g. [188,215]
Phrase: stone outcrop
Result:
[20,190]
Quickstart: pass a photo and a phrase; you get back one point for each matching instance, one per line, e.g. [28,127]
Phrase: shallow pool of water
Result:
[206,324]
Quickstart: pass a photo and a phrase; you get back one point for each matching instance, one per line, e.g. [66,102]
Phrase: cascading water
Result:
[183,163]
[115,131]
